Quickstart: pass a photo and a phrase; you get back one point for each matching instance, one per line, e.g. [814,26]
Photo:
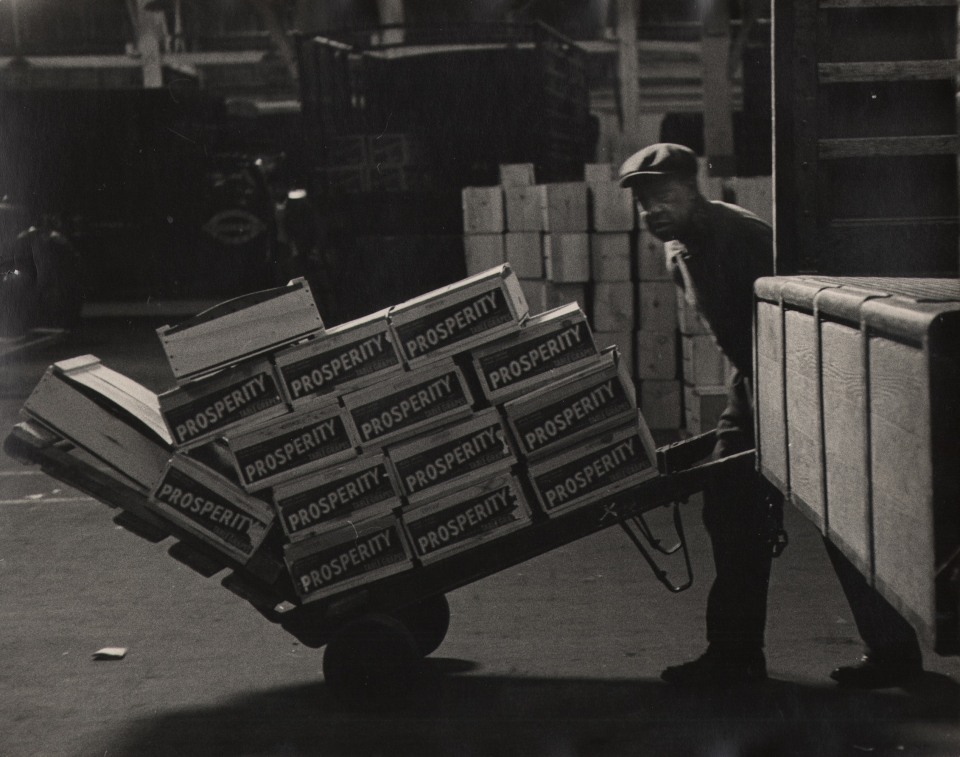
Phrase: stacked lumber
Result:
[348,454]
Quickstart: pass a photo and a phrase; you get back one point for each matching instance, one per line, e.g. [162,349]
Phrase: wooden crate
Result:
[598,173]
[240,328]
[212,508]
[567,257]
[459,316]
[483,210]
[115,419]
[587,401]
[547,344]
[611,256]
[343,358]
[517,175]
[661,401]
[656,354]
[598,467]
[613,306]
[657,305]
[348,556]
[483,251]
[411,403]
[205,409]
[300,442]
[612,207]
[477,513]
[358,489]
[524,207]
[857,418]
[703,362]
[524,253]
[565,207]
[438,460]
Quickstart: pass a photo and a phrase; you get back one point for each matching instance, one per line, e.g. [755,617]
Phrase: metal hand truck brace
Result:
[376,633]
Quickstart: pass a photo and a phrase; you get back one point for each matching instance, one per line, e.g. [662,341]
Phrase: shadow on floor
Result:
[448,713]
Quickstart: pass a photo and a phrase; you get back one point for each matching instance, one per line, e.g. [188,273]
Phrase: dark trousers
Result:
[736,516]
[885,633]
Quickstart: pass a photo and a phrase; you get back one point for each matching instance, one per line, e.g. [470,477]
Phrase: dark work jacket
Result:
[727,249]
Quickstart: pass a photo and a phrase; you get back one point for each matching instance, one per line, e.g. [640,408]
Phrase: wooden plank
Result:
[901,464]
[843,373]
[771,423]
[803,413]
[99,429]
[864,147]
[483,210]
[904,70]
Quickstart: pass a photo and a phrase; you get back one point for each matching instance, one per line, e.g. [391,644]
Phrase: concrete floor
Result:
[557,656]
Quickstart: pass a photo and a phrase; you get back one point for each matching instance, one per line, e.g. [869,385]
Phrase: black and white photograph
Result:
[481,378]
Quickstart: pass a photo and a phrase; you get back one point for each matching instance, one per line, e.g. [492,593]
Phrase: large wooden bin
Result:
[858,423]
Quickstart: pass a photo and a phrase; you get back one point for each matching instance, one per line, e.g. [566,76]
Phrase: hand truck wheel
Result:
[371,660]
[428,621]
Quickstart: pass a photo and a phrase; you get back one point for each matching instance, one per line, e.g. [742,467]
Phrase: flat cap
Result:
[660,159]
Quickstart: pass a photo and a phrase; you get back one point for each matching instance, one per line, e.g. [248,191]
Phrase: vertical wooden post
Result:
[628,75]
[717,97]
[149,29]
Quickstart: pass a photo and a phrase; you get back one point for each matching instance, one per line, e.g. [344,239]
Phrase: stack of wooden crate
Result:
[348,454]
[581,242]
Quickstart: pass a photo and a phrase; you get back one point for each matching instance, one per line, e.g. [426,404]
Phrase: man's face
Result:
[666,205]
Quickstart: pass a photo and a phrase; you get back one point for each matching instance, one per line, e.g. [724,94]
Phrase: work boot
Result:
[875,672]
[713,668]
